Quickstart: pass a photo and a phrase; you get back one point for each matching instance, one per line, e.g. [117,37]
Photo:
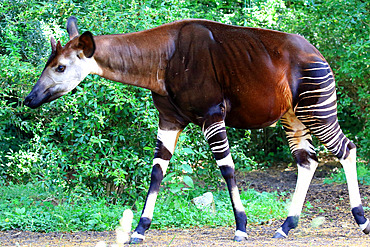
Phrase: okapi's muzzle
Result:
[37,97]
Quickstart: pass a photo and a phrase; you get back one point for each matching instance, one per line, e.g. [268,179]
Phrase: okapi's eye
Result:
[60,68]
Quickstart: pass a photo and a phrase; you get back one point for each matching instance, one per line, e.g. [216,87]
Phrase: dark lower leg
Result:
[165,146]
[147,213]
[215,133]
[239,212]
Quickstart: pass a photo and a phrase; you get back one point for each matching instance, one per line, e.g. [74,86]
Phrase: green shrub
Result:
[33,208]
[363,175]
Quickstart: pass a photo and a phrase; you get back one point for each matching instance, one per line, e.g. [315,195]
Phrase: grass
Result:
[32,208]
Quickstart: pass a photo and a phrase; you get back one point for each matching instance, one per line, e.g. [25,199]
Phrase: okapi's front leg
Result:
[215,133]
[166,142]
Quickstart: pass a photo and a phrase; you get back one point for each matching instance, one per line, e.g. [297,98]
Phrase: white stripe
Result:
[329,88]
[239,233]
[280,230]
[316,78]
[227,161]
[223,147]
[318,68]
[214,125]
[303,181]
[149,206]
[222,150]
[208,126]
[236,199]
[309,118]
[363,226]
[168,138]
[137,235]
[209,133]
[215,132]
[332,141]
[322,95]
[319,83]
[328,101]
[349,166]
[321,63]
[162,163]
[213,143]
[318,110]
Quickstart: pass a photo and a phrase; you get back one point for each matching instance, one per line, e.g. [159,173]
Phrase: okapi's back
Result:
[252,70]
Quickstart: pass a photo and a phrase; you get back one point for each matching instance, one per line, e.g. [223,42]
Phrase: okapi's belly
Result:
[258,106]
[253,117]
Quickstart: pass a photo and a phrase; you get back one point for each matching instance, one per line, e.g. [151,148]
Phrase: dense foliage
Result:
[100,138]
[32,208]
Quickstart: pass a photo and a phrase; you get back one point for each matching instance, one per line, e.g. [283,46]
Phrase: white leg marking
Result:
[236,199]
[227,161]
[168,138]
[239,233]
[235,196]
[280,230]
[363,226]
[303,182]
[162,163]
[137,235]
[149,206]
[349,166]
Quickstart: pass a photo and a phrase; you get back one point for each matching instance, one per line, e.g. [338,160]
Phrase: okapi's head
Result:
[66,68]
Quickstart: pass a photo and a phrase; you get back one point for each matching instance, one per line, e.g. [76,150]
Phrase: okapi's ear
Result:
[72,27]
[59,47]
[87,44]
[53,44]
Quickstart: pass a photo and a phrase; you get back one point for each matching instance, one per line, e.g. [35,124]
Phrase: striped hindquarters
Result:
[317,107]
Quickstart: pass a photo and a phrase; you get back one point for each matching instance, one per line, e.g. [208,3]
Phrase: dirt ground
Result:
[329,202]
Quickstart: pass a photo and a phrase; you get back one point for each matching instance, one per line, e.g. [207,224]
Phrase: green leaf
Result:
[187,168]
[168,177]
[187,151]
[20,210]
[189,181]
[175,189]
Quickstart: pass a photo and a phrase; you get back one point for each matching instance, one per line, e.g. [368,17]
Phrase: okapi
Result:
[215,75]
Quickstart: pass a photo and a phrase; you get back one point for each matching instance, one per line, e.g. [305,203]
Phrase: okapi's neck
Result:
[138,59]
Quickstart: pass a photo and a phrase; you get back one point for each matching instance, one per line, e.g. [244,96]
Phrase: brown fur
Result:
[194,65]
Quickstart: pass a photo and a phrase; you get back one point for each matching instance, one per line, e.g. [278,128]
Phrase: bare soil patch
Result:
[327,200]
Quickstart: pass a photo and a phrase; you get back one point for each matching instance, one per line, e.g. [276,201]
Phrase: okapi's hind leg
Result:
[215,133]
[166,142]
[316,112]
[317,109]
[349,166]
[300,143]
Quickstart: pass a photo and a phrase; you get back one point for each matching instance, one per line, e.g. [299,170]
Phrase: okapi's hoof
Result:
[366,228]
[240,236]
[136,240]
[279,234]
[240,239]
